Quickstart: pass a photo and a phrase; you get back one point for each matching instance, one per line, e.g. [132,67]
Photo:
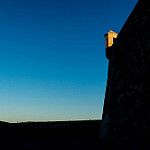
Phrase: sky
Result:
[52,57]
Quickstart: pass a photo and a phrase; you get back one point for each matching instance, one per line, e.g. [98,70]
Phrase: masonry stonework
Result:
[126,114]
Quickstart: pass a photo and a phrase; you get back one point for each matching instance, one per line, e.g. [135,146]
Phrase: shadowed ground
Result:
[65,135]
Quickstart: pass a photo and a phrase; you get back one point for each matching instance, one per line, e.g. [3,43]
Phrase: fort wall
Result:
[126,113]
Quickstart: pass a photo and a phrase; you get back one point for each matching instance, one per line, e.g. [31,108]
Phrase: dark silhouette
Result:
[126,114]
[60,135]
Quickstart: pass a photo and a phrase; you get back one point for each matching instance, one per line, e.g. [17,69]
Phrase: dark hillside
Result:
[50,135]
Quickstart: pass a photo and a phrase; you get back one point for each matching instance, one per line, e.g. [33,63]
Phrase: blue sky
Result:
[52,56]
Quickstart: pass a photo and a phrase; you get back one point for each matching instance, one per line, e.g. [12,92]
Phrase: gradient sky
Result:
[52,57]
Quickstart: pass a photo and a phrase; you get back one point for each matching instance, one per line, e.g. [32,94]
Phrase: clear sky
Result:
[52,57]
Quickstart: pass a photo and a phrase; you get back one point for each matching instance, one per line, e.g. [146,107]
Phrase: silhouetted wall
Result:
[126,114]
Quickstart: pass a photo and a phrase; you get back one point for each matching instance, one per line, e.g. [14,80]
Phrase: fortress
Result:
[126,115]
[110,38]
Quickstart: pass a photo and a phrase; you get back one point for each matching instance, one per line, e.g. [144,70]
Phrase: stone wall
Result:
[126,114]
